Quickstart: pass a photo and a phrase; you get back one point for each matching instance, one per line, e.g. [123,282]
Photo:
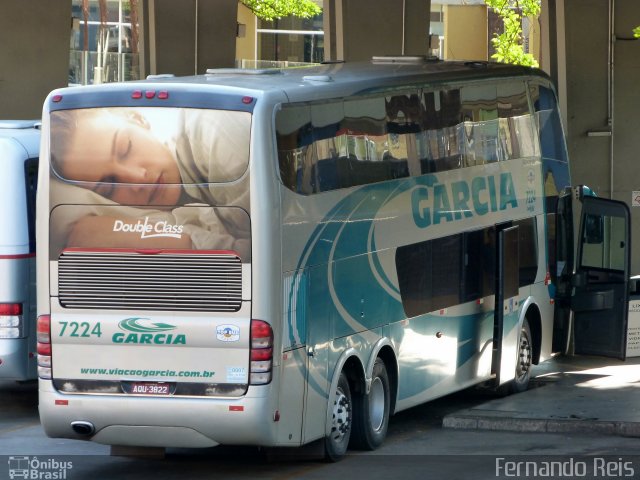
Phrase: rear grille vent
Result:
[210,282]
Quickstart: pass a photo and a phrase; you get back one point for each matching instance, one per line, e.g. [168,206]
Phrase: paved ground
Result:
[581,412]
[570,394]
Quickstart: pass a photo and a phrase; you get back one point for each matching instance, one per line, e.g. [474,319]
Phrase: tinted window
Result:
[341,144]
[528,248]
[31,184]
[461,268]
[552,143]
[429,274]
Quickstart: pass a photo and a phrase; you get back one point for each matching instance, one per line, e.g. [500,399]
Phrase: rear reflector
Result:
[43,330]
[44,349]
[10,309]
[261,354]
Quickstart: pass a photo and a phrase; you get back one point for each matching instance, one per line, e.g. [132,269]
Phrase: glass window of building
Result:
[104,41]
[290,41]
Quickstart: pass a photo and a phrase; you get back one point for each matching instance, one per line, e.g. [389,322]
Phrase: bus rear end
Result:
[19,142]
[145,335]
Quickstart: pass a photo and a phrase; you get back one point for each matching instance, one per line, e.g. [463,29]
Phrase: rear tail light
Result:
[44,346]
[261,352]
[11,324]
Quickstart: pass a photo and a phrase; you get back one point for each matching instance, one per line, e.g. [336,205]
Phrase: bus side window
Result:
[329,148]
[377,150]
[516,126]
[479,111]
[552,144]
[333,145]
[528,254]
[404,117]
[473,271]
[295,153]
[429,274]
[442,124]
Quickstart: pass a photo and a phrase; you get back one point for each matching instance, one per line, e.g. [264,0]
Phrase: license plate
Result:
[149,388]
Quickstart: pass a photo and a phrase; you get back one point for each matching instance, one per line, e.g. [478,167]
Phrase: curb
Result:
[472,421]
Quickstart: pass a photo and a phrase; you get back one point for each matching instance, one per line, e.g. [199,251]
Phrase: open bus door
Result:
[505,320]
[592,295]
[600,298]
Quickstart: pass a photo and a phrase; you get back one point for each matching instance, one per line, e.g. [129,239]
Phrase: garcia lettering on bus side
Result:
[445,202]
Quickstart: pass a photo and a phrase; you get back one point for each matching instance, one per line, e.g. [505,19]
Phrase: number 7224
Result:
[80,329]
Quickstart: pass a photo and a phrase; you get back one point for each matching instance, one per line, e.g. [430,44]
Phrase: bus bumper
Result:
[159,421]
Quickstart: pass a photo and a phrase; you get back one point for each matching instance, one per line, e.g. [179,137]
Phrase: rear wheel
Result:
[371,411]
[337,441]
[523,363]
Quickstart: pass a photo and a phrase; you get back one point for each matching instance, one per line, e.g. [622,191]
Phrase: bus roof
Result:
[331,79]
[379,72]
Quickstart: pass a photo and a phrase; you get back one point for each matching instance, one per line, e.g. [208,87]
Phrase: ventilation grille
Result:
[210,282]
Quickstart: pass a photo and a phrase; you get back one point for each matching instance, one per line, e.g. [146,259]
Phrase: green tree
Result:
[636,32]
[508,45]
[272,9]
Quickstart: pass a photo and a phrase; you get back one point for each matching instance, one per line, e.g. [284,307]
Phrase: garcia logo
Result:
[436,203]
[143,331]
[228,333]
[148,230]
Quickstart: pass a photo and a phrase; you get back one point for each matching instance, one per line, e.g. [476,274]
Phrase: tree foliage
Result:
[636,32]
[272,9]
[508,45]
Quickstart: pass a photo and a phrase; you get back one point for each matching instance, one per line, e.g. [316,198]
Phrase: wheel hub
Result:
[524,354]
[376,404]
[341,416]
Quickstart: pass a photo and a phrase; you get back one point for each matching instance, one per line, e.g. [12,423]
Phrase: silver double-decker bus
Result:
[277,257]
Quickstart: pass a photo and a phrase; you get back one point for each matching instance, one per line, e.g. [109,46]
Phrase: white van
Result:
[19,147]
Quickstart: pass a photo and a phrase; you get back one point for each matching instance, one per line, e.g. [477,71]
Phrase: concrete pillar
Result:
[465,32]
[586,92]
[548,39]
[359,29]
[34,56]
[602,98]
[246,41]
[417,14]
[625,153]
[189,36]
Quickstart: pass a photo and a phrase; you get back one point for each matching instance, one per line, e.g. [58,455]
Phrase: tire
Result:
[337,441]
[523,363]
[371,411]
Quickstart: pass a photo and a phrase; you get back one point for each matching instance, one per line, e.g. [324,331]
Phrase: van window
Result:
[31,185]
